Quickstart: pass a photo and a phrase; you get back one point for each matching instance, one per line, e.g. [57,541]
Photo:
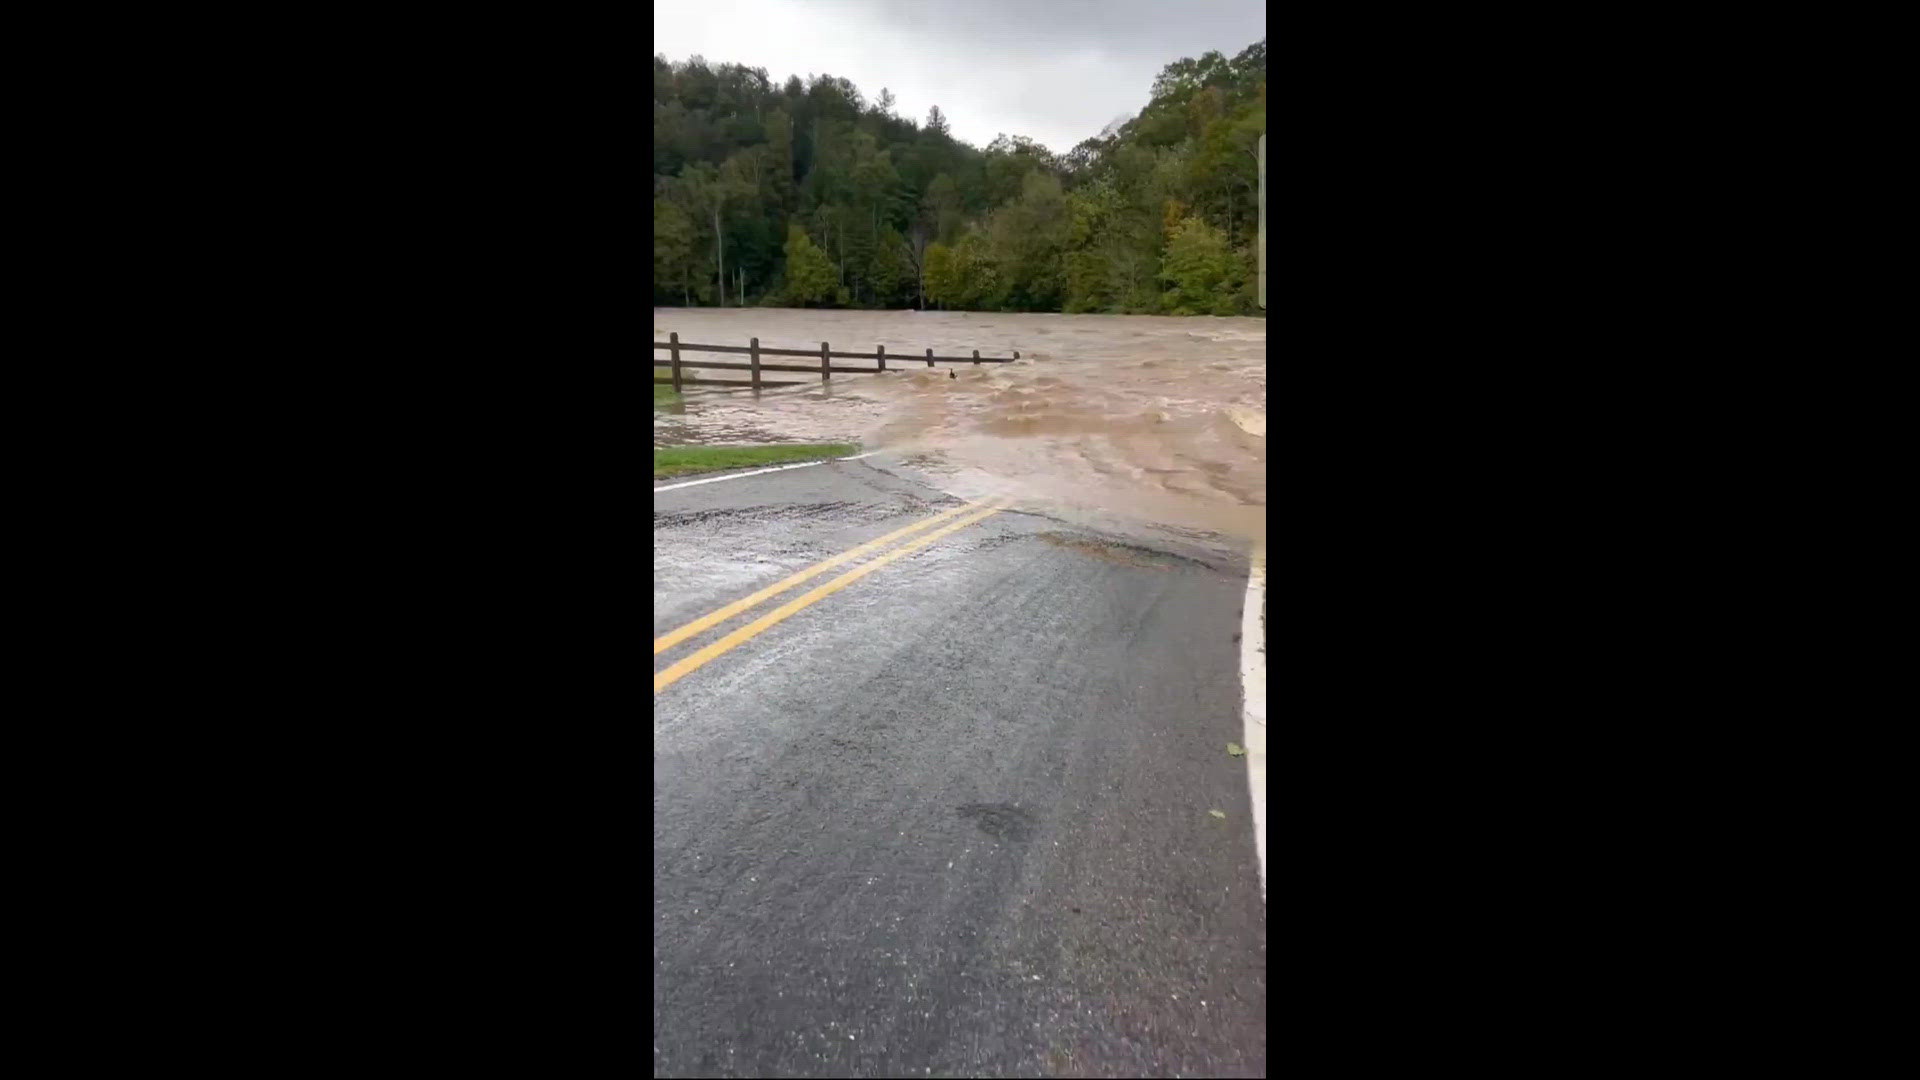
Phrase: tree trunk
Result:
[719,260]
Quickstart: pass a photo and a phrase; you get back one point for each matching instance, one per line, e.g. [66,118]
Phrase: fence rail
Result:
[754,352]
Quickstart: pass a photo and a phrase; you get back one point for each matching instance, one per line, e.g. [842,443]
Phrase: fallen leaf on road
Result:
[1236,749]
[1218,813]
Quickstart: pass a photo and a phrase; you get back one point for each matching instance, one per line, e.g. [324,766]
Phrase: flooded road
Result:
[975,812]
[1155,418]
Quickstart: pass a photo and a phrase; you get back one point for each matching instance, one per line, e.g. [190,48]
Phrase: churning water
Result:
[1154,418]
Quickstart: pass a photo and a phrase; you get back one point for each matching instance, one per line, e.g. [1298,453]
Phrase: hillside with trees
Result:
[807,194]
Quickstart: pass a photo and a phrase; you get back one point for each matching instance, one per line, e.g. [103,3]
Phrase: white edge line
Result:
[1253,715]
[757,472]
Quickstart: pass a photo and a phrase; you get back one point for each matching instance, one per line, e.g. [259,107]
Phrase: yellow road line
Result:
[746,633]
[674,637]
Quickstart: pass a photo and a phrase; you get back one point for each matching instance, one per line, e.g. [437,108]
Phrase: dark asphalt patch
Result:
[1000,820]
[1106,549]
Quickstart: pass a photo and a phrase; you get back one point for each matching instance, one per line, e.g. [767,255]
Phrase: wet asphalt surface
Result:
[953,819]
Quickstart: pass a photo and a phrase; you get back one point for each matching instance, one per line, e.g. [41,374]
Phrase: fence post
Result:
[882,351]
[673,346]
[753,361]
[976,358]
[825,372]
[1016,354]
[929,357]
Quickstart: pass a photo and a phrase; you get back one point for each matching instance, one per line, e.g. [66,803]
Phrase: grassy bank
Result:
[682,460]
[664,395]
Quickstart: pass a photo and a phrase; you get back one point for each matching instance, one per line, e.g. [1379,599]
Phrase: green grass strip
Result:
[682,460]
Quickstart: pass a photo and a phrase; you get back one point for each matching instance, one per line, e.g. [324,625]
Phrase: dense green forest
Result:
[808,195]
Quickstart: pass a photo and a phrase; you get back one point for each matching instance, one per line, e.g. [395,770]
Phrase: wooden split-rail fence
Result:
[754,352]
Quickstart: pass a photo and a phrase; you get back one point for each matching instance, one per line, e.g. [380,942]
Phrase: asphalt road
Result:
[952,819]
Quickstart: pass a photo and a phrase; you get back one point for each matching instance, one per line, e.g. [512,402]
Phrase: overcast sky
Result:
[1056,71]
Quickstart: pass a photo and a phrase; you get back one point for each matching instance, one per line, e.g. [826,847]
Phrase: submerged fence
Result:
[754,352]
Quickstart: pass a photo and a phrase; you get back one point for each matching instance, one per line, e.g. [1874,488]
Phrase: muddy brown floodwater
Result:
[1154,418]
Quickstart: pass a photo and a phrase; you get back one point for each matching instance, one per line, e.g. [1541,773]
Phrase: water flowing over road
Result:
[1155,418]
[959,746]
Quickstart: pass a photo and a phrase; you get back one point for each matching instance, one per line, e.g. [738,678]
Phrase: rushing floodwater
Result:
[1160,419]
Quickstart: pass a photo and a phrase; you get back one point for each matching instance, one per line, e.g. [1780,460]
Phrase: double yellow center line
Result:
[971,513]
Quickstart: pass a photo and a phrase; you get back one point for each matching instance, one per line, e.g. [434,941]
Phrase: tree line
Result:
[806,194]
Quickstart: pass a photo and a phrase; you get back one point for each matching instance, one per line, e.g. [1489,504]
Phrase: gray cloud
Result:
[1056,71]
